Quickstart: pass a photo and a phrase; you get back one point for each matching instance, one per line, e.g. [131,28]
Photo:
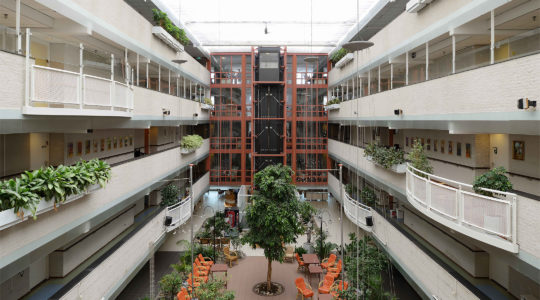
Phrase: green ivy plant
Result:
[25,192]
[338,55]
[191,142]
[161,19]
[419,159]
[494,179]
[385,156]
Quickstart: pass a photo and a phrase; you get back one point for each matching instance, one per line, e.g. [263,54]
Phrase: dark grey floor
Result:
[139,287]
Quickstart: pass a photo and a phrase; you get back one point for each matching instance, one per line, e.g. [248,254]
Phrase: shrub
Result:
[368,196]
[300,250]
[386,157]
[333,101]
[208,101]
[161,19]
[419,159]
[191,142]
[494,179]
[169,195]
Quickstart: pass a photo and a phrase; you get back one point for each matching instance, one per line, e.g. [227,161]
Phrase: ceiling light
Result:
[179,61]
[311,59]
[357,45]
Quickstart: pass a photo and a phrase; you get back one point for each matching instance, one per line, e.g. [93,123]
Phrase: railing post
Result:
[514,219]
[459,214]
[111,94]
[428,193]
[461,201]
[80,93]
[27,69]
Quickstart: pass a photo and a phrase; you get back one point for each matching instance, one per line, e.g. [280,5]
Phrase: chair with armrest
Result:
[289,253]
[325,286]
[230,256]
[328,262]
[303,288]
[301,264]
[205,261]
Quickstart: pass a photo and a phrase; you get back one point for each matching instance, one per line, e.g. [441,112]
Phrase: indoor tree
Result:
[419,159]
[272,218]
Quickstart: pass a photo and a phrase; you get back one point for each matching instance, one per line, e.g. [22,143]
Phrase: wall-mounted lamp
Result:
[398,112]
[195,115]
[166,112]
[526,103]
[495,150]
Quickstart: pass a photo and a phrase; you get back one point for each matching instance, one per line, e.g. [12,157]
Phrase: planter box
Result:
[164,36]
[345,60]
[331,107]
[187,151]
[8,218]
[400,169]
[207,106]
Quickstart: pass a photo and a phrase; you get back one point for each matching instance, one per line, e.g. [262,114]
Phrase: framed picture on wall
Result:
[102,145]
[87,147]
[428,147]
[450,147]
[120,142]
[442,146]
[518,150]
[407,141]
[435,145]
[126,141]
[70,149]
[96,146]
[131,140]
[468,150]
[115,143]
[458,149]
[109,143]
[422,142]
[79,148]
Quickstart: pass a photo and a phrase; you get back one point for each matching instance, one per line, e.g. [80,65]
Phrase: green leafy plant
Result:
[333,101]
[322,247]
[494,179]
[272,217]
[170,284]
[213,290]
[338,55]
[384,156]
[191,142]
[419,160]
[208,101]
[161,19]
[300,250]
[51,183]
[367,195]
[169,195]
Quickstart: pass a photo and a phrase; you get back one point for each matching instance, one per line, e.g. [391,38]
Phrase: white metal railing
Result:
[56,86]
[357,212]
[180,213]
[456,205]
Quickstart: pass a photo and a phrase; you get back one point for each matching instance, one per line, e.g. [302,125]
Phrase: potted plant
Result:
[162,20]
[368,196]
[332,104]
[386,157]
[169,195]
[494,179]
[207,104]
[190,143]
[338,55]
[419,159]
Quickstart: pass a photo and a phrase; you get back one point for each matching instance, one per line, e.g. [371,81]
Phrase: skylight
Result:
[236,25]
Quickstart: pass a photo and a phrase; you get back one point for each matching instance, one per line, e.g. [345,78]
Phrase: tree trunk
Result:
[269,276]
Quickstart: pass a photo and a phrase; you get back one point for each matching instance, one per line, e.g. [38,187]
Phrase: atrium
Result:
[309,149]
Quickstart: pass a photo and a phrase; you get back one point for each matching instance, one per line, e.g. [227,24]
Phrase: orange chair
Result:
[204,278]
[303,289]
[196,282]
[329,262]
[335,271]
[338,287]
[199,264]
[199,271]
[205,261]
[301,264]
[325,286]
[183,295]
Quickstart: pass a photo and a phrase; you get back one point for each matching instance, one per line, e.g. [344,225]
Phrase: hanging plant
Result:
[333,101]
[191,142]
[383,156]
[338,55]
[161,19]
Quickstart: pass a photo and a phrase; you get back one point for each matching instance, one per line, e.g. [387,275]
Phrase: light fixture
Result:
[398,112]
[166,112]
[526,103]
[179,61]
[265,28]
[357,45]
[311,59]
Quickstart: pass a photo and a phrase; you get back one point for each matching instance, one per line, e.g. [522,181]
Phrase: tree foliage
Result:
[494,179]
[273,217]
[213,290]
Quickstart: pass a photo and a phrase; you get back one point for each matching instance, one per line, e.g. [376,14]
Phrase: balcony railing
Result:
[357,212]
[491,220]
[62,90]
[180,213]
